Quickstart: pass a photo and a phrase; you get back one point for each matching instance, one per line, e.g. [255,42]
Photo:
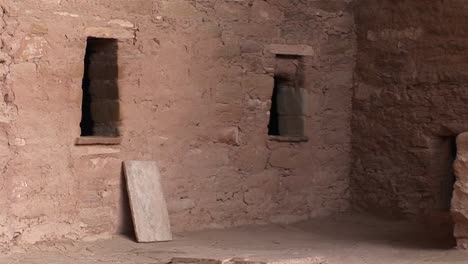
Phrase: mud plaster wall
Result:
[195,86]
[410,97]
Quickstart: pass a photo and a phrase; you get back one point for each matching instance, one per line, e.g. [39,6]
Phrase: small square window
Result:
[100,106]
[288,109]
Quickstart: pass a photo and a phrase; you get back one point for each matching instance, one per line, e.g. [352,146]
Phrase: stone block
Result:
[265,11]
[97,218]
[461,169]
[462,143]
[229,136]
[462,244]
[256,30]
[259,86]
[109,32]
[300,50]
[364,91]
[249,158]
[178,9]
[230,11]
[181,205]
[122,23]
[39,29]
[32,48]
[460,195]
[250,46]
[83,141]
[341,78]
[285,158]
[227,52]
[147,202]
[229,93]
[338,137]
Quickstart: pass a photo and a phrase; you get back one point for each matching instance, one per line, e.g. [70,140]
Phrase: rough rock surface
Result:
[460,196]
[410,101]
[195,86]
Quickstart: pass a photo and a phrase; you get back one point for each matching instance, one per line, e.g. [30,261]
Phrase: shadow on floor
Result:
[398,234]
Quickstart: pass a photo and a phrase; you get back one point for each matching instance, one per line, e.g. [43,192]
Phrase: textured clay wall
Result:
[195,83]
[410,100]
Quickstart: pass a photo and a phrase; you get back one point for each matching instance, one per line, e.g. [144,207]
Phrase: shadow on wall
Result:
[125,220]
[410,83]
[370,230]
[410,79]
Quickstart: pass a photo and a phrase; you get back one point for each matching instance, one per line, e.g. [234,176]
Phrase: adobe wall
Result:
[195,80]
[409,103]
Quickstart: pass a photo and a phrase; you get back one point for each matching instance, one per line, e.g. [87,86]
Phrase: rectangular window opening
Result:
[288,108]
[100,105]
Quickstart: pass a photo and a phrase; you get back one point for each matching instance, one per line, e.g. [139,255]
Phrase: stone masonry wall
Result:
[460,201]
[409,103]
[195,83]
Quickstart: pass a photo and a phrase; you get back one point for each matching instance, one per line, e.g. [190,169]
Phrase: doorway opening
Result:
[441,176]
[447,186]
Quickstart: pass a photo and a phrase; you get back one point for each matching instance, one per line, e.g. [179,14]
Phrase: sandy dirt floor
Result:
[336,240]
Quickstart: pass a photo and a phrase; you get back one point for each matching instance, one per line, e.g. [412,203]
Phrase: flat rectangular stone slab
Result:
[98,141]
[147,202]
[299,50]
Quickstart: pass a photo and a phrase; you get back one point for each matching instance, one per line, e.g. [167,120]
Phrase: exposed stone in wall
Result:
[460,201]
[409,102]
[8,142]
[7,25]
[195,80]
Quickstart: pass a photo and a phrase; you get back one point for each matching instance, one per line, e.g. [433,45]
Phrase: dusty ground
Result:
[350,240]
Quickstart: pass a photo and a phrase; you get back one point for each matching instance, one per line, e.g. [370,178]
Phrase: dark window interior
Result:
[100,107]
[288,100]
